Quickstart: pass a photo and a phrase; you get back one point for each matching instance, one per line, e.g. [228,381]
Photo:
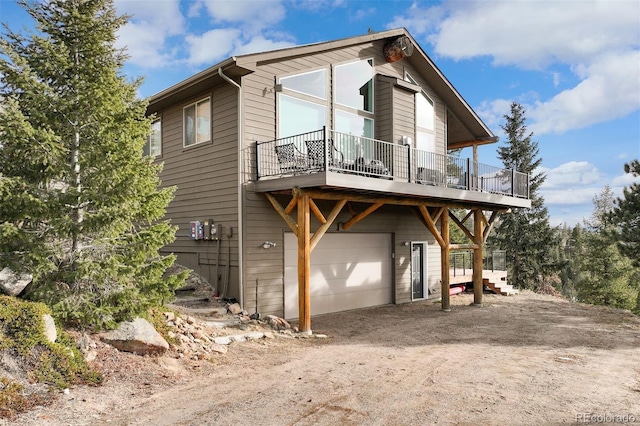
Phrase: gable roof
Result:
[459,112]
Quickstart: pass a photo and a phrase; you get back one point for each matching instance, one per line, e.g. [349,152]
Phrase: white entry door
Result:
[348,271]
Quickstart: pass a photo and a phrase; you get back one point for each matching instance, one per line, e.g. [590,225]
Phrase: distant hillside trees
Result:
[525,234]
[607,277]
[625,217]
[80,207]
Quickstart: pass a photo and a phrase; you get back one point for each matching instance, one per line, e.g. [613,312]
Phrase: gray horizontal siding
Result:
[394,111]
[205,177]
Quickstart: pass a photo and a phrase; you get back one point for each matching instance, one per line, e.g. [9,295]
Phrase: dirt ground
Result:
[523,359]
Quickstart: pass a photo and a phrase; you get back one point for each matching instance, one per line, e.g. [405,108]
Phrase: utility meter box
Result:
[196,229]
[216,231]
[207,224]
[210,230]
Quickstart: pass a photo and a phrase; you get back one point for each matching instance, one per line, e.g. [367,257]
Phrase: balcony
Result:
[330,159]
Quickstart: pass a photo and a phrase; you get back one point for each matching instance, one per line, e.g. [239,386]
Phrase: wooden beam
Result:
[477,257]
[463,246]
[487,231]
[431,225]
[324,227]
[472,142]
[444,264]
[436,217]
[484,219]
[278,208]
[461,225]
[357,218]
[467,216]
[304,266]
[292,205]
[316,212]
[370,199]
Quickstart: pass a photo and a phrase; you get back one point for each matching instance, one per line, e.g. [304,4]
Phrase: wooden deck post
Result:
[478,239]
[304,266]
[444,260]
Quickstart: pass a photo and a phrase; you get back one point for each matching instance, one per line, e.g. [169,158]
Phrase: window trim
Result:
[418,128]
[299,99]
[334,87]
[184,121]
[147,144]
[303,95]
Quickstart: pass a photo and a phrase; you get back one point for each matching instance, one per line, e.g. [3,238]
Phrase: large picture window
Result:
[354,85]
[425,120]
[302,105]
[298,116]
[312,83]
[197,122]
[153,147]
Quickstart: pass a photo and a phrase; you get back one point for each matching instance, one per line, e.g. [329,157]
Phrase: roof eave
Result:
[195,84]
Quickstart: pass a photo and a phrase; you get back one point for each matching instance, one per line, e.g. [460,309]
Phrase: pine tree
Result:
[607,277]
[80,207]
[625,217]
[525,234]
[571,244]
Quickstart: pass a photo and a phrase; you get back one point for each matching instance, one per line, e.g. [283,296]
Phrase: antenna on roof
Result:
[370,31]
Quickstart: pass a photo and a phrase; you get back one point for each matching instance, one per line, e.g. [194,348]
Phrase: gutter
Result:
[240,187]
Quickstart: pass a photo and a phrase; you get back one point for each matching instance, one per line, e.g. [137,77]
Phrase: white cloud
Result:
[252,15]
[623,180]
[492,112]
[420,21]
[598,40]
[145,35]
[569,189]
[570,196]
[611,89]
[218,44]
[211,46]
[534,34]
[261,44]
[573,173]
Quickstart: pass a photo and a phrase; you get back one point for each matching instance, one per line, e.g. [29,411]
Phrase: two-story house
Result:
[315,179]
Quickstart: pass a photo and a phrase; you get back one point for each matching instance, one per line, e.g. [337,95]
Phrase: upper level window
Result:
[197,122]
[297,116]
[425,120]
[312,83]
[302,105]
[354,85]
[153,147]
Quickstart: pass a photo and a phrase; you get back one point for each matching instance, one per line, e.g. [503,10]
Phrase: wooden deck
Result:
[496,281]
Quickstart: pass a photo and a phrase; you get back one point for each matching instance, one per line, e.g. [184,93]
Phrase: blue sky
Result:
[574,65]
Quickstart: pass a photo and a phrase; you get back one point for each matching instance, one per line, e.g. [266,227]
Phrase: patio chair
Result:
[428,176]
[458,182]
[316,154]
[370,168]
[290,158]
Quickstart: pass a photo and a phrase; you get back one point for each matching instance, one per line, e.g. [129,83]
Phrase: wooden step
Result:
[500,287]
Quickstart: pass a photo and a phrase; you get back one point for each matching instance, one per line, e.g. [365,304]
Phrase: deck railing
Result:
[326,150]
[462,262]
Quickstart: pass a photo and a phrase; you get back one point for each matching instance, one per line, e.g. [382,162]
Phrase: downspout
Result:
[240,187]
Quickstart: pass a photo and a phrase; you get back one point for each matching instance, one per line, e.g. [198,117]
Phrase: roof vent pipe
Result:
[397,49]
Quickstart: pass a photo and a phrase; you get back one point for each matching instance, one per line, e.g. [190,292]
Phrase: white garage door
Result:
[348,271]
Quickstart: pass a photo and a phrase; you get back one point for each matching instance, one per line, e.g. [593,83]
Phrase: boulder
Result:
[137,336]
[277,323]
[50,331]
[234,309]
[12,283]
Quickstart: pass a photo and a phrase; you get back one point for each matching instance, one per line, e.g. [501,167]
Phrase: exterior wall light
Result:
[406,243]
[268,244]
